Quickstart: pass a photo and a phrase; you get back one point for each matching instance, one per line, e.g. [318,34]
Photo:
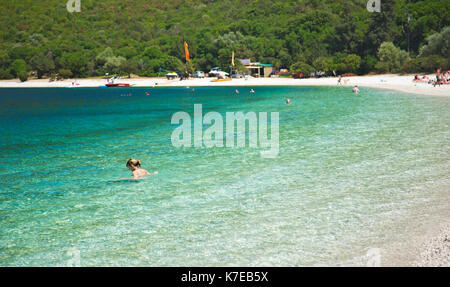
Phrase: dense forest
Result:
[145,37]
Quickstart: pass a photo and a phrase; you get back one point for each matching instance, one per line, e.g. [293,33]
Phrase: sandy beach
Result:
[389,81]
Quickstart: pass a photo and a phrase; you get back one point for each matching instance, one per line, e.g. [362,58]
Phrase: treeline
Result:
[145,37]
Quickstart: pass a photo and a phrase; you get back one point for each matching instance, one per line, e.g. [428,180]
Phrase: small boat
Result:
[117,85]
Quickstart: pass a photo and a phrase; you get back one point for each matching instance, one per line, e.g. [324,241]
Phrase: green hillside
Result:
[144,36]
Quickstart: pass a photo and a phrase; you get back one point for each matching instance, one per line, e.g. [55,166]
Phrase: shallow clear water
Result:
[348,165]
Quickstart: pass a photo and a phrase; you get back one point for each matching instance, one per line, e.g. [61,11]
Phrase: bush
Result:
[350,64]
[368,64]
[5,74]
[23,76]
[18,66]
[323,64]
[65,73]
[391,58]
[438,44]
[432,63]
[412,66]
[302,67]
[426,64]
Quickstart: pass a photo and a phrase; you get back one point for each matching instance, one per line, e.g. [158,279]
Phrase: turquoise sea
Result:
[352,169]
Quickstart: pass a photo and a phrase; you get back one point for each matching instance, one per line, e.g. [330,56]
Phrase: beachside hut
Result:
[258,69]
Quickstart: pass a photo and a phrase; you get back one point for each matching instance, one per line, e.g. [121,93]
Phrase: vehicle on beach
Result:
[172,76]
[199,74]
[237,75]
[221,75]
[215,71]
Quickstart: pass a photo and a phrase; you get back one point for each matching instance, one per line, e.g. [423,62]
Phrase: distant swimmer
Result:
[356,90]
[288,102]
[237,92]
[252,91]
[135,167]
[147,94]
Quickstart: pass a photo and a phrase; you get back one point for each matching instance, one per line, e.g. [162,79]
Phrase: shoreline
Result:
[386,82]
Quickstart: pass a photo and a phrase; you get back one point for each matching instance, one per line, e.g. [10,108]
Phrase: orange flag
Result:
[186,49]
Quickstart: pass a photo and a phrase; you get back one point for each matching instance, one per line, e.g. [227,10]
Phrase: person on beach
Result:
[438,78]
[356,90]
[135,167]
[340,80]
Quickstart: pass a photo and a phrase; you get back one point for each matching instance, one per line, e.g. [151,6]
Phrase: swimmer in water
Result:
[356,90]
[252,91]
[288,102]
[147,94]
[135,167]
[237,92]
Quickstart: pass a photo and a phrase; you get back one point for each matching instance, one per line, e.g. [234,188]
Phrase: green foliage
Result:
[368,64]
[240,68]
[103,57]
[438,44]
[18,66]
[65,74]
[23,76]
[43,64]
[302,67]
[77,62]
[151,34]
[113,64]
[5,74]
[129,67]
[344,63]
[324,64]
[391,58]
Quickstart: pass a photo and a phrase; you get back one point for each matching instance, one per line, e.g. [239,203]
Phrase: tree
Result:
[368,64]
[323,64]
[302,68]
[172,63]
[43,64]
[438,44]
[114,64]
[238,66]
[5,74]
[77,62]
[350,64]
[23,76]
[129,67]
[18,66]
[103,57]
[391,58]
[153,53]
[65,74]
